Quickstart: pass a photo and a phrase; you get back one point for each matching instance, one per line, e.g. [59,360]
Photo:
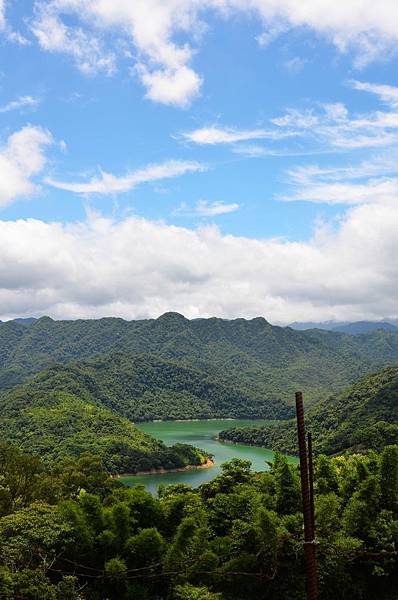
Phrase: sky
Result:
[230,158]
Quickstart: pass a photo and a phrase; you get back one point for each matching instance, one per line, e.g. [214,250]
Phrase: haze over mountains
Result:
[353,328]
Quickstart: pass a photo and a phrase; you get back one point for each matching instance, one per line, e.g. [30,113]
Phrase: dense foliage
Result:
[364,416]
[144,387]
[57,415]
[260,362]
[71,532]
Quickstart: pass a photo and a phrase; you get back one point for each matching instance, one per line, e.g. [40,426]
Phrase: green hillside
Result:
[363,416]
[144,387]
[56,415]
[255,358]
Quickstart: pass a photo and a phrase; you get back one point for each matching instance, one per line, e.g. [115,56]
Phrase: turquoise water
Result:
[201,434]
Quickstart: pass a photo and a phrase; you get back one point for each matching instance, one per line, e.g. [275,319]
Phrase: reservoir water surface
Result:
[201,434]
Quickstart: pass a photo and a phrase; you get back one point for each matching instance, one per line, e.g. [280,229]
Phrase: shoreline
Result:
[232,443]
[207,465]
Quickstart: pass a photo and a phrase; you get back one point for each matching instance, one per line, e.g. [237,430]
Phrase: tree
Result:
[34,535]
[146,548]
[190,592]
[287,488]
[389,478]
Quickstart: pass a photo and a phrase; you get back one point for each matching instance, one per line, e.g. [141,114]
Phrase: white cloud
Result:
[373,180]
[54,36]
[170,86]
[387,93]
[347,193]
[111,184]
[21,158]
[230,135]
[2,15]
[137,268]
[21,102]
[163,34]
[324,126]
[11,36]
[333,125]
[203,208]
[149,25]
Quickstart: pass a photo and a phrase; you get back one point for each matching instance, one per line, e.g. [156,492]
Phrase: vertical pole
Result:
[309,547]
[311,482]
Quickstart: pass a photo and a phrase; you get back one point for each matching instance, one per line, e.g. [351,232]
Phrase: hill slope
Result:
[144,387]
[255,358]
[360,327]
[58,414]
[363,416]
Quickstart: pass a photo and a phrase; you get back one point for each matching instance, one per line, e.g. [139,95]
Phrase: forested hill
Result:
[59,414]
[363,416]
[144,387]
[257,359]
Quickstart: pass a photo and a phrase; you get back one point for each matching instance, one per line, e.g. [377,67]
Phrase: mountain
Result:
[363,416]
[144,387]
[261,362]
[326,325]
[352,328]
[25,320]
[360,327]
[59,414]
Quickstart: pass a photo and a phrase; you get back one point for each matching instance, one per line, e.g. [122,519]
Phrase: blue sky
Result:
[216,144]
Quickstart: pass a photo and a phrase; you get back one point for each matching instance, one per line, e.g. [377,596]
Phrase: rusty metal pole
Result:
[311,482]
[309,545]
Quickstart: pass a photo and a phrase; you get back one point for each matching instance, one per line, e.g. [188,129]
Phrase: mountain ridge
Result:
[254,357]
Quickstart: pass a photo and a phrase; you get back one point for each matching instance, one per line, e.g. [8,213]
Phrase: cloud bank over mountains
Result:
[138,268]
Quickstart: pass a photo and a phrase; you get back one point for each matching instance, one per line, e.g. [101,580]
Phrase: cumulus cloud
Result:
[21,158]
[111,184]
[203,208]
[138,268]
[163,35]
[21,102]
[149,25]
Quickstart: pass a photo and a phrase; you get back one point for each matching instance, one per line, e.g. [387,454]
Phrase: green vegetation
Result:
[364,416]
[69,531]
[260,362]
[144,387]
[57,415]
[84,382]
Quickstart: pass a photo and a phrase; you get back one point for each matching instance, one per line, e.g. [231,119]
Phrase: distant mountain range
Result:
[354,328]
[263,363]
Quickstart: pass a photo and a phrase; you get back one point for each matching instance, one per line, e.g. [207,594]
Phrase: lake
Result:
[201,434]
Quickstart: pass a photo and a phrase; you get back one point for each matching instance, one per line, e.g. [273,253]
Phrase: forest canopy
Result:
[70,531]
